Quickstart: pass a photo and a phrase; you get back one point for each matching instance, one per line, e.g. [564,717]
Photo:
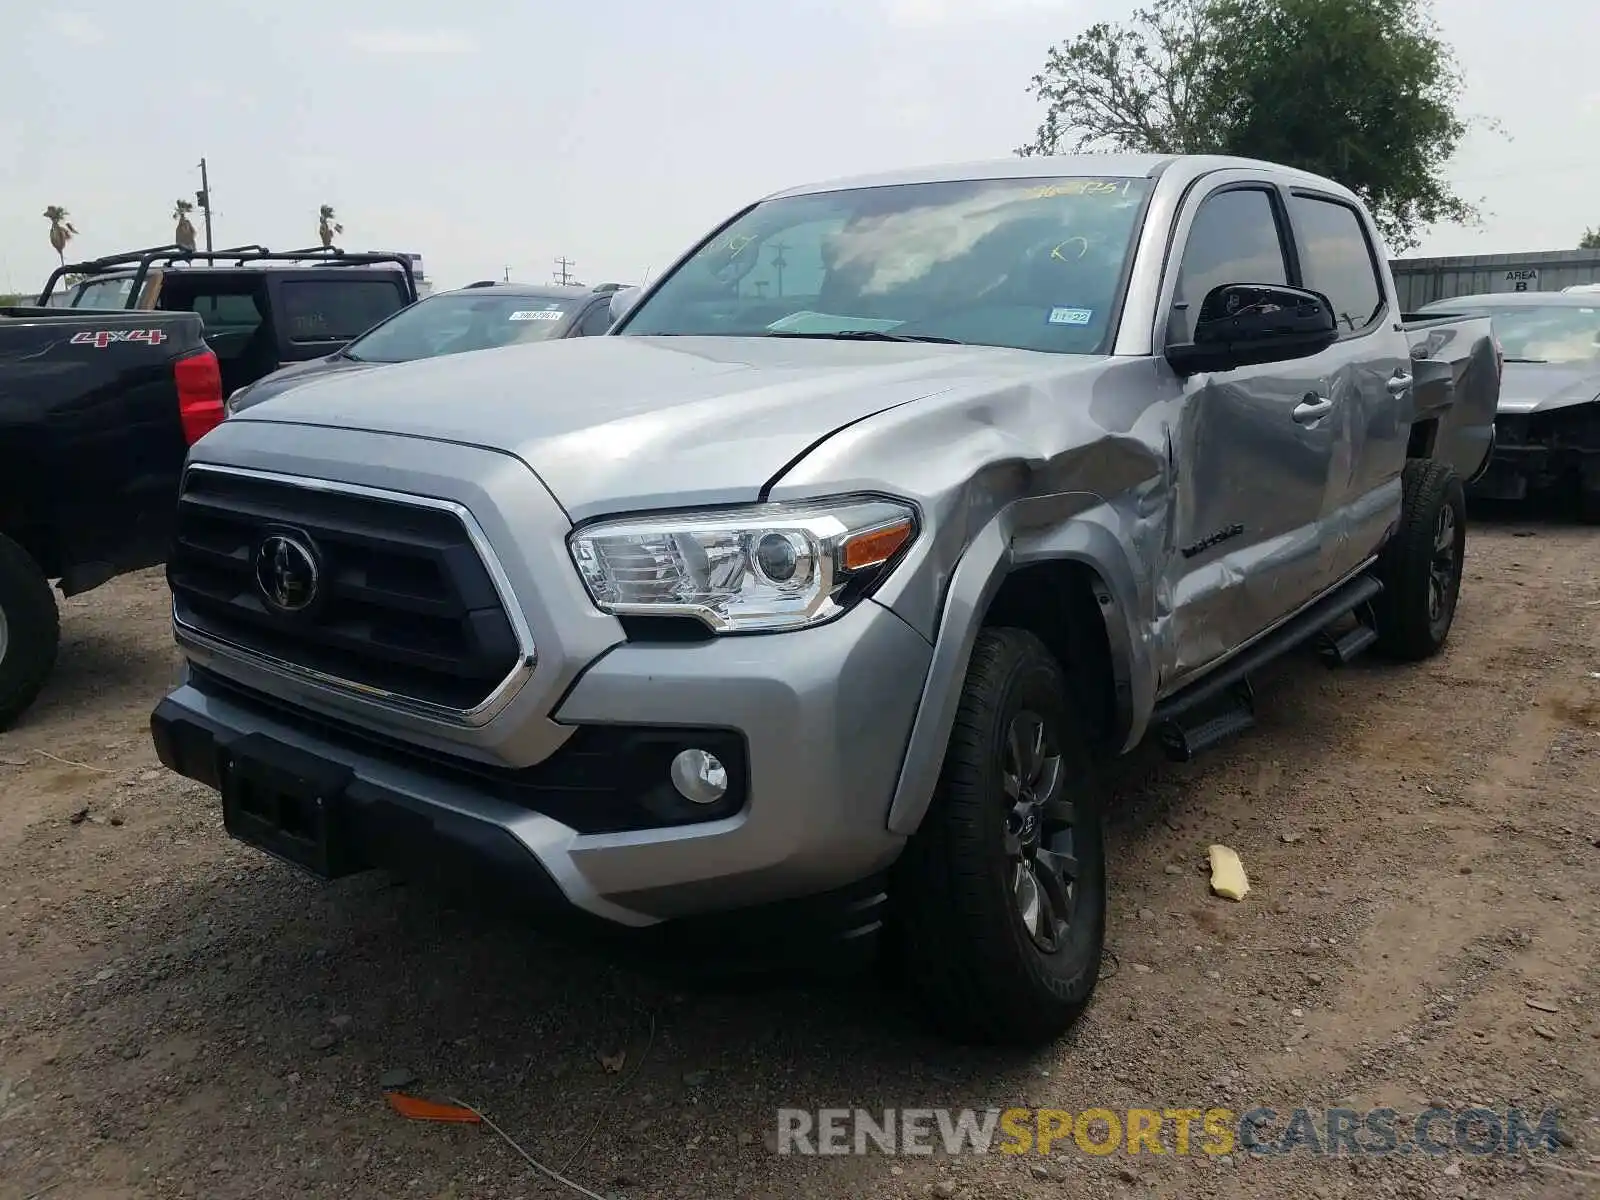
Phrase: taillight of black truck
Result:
[97,414]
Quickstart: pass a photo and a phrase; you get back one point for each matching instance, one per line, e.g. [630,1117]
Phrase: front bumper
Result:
[824,716]
[1542,452]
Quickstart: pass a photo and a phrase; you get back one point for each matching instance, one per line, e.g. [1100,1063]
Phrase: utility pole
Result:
[779,262]
[203,198]
[508,275]
[564,270]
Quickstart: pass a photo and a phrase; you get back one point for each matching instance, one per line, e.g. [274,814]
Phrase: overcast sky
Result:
[488,135]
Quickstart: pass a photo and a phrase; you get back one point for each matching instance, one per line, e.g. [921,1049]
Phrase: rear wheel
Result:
[1589,504]
[1421,566]
[1000,898]
[30,630]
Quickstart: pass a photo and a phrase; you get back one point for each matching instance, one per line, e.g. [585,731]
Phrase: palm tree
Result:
[62,230]
[185,235]
[327,226]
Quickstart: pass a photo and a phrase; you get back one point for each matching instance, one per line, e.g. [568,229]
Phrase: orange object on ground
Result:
[416,1109]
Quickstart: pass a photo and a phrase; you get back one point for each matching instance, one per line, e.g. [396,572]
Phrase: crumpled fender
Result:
[1001,547]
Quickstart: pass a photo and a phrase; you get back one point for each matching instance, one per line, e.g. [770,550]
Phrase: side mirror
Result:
[1248,324]
[622,301]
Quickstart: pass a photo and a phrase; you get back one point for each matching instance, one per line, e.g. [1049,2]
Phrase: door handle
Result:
[1398,383]
[1311,408]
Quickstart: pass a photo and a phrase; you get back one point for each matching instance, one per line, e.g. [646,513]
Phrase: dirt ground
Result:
[181,1017]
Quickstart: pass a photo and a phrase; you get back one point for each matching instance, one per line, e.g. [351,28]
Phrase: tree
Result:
[327,226]
[62,230]
[184,235]
[1590,240]
[1361,91]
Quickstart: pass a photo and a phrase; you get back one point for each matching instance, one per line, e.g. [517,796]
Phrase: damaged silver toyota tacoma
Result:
[799,613]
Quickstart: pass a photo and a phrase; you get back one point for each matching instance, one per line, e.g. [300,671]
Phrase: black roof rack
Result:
[143,260]
[484,283]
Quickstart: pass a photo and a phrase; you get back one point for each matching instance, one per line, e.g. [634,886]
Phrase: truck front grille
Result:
[403,607]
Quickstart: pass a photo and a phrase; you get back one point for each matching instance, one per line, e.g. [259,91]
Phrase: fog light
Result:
[699,776]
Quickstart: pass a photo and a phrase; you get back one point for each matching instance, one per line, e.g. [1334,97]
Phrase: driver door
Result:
[1253,448]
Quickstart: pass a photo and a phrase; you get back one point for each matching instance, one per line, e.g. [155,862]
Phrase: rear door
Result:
[1367,375]
[234,308]
[318,311]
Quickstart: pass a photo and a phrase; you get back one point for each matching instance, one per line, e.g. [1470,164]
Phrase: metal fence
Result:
[1423,280]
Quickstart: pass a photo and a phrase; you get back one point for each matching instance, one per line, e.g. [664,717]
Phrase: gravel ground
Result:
[180,1016]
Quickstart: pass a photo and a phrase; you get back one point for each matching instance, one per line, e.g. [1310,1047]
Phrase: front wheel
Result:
[1421,566]
[999,901]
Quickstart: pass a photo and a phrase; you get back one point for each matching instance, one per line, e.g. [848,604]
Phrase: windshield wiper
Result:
[1528,360]
[865,335]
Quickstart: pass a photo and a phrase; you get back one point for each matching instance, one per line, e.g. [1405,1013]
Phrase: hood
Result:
[1540,387]
[611,423]
[290,376]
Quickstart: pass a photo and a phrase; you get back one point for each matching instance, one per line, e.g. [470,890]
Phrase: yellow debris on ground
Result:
[1228,879]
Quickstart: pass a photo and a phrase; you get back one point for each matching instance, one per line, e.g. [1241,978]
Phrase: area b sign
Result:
[1522,279]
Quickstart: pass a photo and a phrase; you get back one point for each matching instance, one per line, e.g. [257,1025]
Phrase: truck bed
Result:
[1455,368]
[93,435]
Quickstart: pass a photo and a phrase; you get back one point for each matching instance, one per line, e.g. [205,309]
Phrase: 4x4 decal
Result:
[101,338]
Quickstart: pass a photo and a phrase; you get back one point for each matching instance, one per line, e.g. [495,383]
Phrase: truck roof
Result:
[534,291]
[1137,166]
[1512,300]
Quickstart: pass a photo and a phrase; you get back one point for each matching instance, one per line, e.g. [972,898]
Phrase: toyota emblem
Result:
[287,573]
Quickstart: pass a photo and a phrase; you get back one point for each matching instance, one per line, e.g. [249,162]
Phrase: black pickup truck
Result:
[97,412]
[262,309]
[101,397]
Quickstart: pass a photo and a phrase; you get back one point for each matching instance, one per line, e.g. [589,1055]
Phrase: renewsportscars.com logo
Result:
[1178,1132]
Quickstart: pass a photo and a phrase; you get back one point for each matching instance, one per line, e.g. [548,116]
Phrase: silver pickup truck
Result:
[801,611]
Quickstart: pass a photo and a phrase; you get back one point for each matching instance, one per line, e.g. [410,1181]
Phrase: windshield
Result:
[1553,333]
[103,293]
[459,321]
[1035,264]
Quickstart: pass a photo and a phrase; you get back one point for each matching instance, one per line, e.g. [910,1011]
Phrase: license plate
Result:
[288,803]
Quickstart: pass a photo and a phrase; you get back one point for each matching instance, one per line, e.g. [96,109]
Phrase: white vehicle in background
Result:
[1582,287]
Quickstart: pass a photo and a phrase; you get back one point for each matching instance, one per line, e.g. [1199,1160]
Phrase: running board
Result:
[1345,648]
[1298,629]
[1185,736]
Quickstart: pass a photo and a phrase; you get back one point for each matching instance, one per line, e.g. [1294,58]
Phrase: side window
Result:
[223,313]
[1336,259]
[596,321]
[1234,239]
[335,310]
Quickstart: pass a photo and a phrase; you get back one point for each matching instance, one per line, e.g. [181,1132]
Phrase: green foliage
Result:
[1590,240]
[1361,91]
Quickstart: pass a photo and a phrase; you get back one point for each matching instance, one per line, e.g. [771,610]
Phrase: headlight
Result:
[761,568]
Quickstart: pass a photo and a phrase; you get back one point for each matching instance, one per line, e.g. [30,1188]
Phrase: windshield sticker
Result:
[1081,187]
[815,322]
[542,314]
[1071,316]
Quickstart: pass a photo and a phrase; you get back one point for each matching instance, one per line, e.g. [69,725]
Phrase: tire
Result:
[1421,566]
[1589,505]
[30,631]
[957,921]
